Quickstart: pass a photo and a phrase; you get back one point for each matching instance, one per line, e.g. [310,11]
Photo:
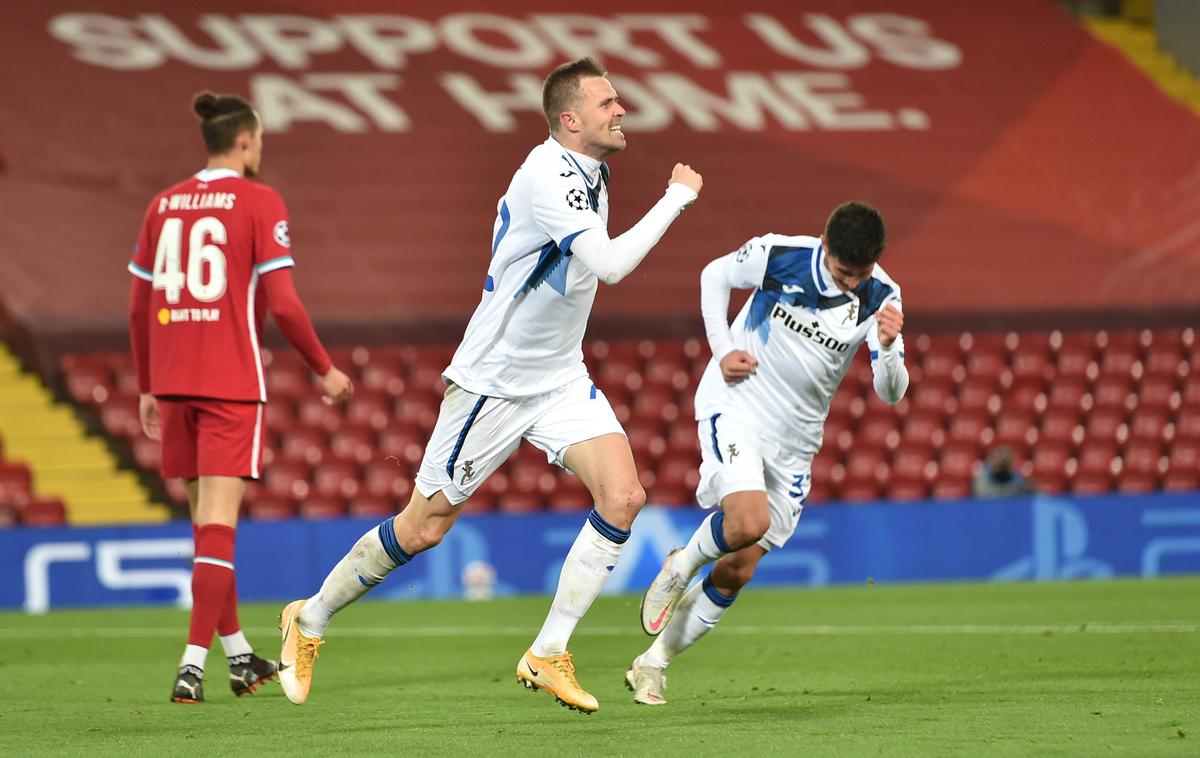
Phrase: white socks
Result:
[699,610]
[706,545]
[373,557]
[235,644]
[194,655]
[585,569]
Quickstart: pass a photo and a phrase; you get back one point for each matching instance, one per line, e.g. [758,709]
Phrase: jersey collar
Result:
[213,174]
[590,168]
[822,276]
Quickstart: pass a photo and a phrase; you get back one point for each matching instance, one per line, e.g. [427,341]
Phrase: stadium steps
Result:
[66,461]
[1137,42]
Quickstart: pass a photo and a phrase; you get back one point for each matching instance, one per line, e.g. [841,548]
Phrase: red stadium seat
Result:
[388,480]
[846,404]
[1017,428]
[934,396]
[1097,457]
[971,428]
[1143,457]
[1158,393]
[418,407]
[119,417]
[1165,361]
[89,384]
[823,465]
[1026,396]
[670,497]
[975,395]
[355,442]
[287,380]
[1031,359]
[287,479]
[336,479]
[1150,424]
[322,508]
[1050,462]
[1184,455]
[44,512]
[986,363]
[371,408]
[1069,394]
[1181,481]
[878,431]
[958,460]
[908,490]
[1191,390]
[951,488]
[657,403]
[307,444]
[147,453]
[1091,483]
[679,470]
[271,508]
[570,502]
[1061,426]
[860,491]
[912,462]
[923,428]
[520,502]
[372,507]
[867,464]
[1114,392]
[1076,359]
[1137,483]
[1106,425]
[16,483]
[9,516]
[313,412]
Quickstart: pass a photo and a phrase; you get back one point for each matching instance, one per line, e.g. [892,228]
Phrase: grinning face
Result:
[845,276]
[596,116]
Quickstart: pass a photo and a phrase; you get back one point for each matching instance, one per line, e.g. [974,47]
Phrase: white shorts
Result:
[475,434]
[733,459]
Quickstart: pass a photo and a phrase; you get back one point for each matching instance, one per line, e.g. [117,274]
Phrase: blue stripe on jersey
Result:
[489,284]
[505,220]
[140,272]
[592,395]
[871,295]
[817,267]
[874,354]
[462,436]
[552,265]
[716,446]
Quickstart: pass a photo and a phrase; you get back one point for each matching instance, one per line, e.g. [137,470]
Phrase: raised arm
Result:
[613,259]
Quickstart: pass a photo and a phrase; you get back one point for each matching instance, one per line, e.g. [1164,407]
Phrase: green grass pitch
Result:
[1071,669]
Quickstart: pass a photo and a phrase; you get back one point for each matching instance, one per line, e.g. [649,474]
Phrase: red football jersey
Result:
[204,244]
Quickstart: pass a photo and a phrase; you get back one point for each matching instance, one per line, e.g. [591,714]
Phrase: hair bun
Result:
[206,105]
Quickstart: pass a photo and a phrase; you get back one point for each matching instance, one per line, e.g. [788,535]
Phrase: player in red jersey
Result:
[213,257]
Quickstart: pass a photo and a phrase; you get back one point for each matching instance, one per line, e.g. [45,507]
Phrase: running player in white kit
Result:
[761,408]
[519,374]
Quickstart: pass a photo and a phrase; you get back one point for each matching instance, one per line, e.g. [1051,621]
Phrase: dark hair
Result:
[561,88]
[855,234]
[222,119]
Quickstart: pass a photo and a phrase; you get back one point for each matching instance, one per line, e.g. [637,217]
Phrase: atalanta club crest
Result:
[281,234]
[577,200]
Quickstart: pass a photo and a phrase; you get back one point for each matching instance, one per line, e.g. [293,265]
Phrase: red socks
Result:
[228,623]
[213,593]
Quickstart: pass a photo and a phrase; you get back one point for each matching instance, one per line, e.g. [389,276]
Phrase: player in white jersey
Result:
[519,374]
[761,408]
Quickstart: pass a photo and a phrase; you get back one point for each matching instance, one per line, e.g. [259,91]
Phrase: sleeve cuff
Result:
[139,272]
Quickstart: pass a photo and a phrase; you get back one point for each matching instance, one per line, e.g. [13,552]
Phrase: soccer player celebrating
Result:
[213,256]
[519,374]
[761,407]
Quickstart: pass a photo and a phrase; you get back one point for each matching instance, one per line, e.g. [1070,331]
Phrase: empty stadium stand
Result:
[1083,411]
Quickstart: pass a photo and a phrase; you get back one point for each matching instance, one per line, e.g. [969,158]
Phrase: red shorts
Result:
[203,437]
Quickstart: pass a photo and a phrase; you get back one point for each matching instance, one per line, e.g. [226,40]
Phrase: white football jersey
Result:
[804,332]
[526,334]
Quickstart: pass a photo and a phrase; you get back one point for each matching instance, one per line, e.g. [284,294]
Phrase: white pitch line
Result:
[823,630]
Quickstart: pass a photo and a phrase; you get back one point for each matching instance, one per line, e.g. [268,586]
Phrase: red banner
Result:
[1020,163]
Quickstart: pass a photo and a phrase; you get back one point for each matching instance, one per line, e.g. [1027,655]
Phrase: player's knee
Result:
[621,505]
[428,536]
[746,527]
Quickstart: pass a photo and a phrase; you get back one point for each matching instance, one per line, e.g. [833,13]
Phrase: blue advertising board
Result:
[1038,538]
